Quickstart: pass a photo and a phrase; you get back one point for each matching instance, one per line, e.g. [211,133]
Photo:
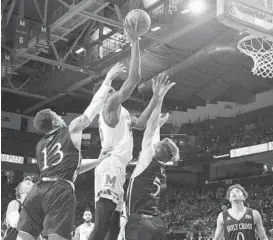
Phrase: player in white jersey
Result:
[117,141]
[84,230]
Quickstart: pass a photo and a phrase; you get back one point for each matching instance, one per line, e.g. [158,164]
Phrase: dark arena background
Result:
[221,110]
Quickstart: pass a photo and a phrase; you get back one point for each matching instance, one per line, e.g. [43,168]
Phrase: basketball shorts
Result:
[48,209]
[109,180]
[143,227]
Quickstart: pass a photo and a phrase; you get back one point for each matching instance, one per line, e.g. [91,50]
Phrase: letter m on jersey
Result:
[111,180]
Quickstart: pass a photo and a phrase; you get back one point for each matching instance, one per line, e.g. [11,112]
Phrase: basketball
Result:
[143,19]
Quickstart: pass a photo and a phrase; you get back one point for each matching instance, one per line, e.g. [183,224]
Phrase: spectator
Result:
[84,230]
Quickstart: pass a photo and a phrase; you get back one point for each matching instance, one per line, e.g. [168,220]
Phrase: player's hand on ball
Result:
[162,85]
[131,29]
[113,72]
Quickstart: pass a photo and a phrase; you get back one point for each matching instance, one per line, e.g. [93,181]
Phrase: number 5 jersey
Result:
[144,190]
[57,156]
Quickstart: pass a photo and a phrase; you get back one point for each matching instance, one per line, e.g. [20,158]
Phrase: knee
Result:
[24,236]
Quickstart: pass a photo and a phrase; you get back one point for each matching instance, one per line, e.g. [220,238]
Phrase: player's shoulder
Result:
[14,205]
[256,213]
[80,227]
[220,217]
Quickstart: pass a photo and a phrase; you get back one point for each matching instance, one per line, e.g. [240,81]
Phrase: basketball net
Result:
[261,51]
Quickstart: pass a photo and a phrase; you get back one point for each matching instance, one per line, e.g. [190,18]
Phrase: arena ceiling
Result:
[198,52]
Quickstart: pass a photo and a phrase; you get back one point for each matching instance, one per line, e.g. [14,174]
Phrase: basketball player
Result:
[116,139]
[148,178]
[50,205]
[14,208]
[239,222]
[83,231]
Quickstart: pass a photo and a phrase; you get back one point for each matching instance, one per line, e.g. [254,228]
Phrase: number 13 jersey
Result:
[57,156]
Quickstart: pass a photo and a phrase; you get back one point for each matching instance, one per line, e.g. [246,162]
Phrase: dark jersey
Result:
[57,156]
[244,229]
[144,190]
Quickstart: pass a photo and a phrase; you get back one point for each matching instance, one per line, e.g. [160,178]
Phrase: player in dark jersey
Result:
[239,222]
[14,209]
[50,206]
[148,178]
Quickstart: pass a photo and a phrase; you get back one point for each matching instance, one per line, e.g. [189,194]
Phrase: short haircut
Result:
[236,186]
[87,210]
[21,187]
[43,121]
[174,150]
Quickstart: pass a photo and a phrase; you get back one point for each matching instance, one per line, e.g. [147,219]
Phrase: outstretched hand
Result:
[131,29]
[113,72]
[162,85]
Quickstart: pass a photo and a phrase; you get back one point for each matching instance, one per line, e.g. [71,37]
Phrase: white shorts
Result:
[110,177]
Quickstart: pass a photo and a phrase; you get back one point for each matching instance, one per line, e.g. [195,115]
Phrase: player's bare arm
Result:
[89,164]
[13,214]
[160,87]
[141,122]
[83,121]
[111,108]
[77,233]
[219,232]
[259,225]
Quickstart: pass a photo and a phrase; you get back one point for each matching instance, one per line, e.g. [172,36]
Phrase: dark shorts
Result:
[48,209]
[141,227]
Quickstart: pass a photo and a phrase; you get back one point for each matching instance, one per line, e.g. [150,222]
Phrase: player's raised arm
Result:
[141,122]
[134,71]
[259,225]
[151,134]
[83,121]
[219,232]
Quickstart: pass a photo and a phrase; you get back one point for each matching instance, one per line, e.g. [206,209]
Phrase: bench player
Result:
[50,206]
[239,222]
[148,178]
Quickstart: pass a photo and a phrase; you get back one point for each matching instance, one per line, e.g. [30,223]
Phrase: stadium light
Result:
[80,50]
[185,11]
[155,29]
[197,6]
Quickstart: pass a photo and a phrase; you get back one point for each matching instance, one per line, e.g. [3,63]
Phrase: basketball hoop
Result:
[261,51]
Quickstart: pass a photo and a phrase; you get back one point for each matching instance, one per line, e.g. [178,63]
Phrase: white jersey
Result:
[85,230]
[119,139]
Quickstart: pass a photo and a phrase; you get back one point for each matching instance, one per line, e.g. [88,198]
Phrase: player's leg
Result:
[109,180]
[59,204]
[103,211]
[133,227]
[31,216]
[159,228]
[114,229]
[24,236]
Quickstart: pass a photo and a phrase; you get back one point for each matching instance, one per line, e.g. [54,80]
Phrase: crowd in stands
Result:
[184,209]
[195,210]
[218,136]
